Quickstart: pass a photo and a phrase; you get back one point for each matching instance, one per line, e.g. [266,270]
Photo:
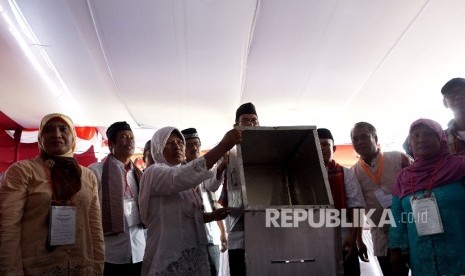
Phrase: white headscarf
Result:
[159,139]
[157,145]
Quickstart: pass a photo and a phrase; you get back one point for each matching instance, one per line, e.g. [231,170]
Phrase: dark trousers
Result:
[237,262]
[213,258]
[351,264]
[122,269]
[386,268]
[385,264]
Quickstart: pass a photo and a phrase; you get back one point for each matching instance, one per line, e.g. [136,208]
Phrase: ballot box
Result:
[285,193]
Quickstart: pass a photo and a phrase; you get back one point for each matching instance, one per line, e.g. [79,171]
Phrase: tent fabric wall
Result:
[8,150]
[13,149]
[345,155]
[7,123]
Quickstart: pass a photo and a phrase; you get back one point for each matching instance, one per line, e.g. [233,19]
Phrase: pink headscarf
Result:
[420,174]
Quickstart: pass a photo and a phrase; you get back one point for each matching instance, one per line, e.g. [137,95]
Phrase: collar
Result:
[121,164]
[452,129]
[375,158]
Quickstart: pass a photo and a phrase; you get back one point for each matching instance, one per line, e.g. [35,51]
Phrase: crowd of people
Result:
[60,218]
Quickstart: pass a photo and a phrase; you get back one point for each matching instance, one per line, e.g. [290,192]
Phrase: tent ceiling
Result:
[154,63]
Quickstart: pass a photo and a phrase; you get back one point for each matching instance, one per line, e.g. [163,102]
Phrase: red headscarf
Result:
[438,171]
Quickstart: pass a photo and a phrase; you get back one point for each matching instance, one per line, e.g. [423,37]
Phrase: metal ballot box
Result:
[283,181]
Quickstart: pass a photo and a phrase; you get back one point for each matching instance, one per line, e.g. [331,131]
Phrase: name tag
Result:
[426,216]
[385,199]
[131,212]
[62,230]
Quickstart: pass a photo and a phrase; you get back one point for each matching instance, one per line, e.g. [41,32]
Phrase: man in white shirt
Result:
[119,195]
[454,98]
[246,115]
[215,229]
[347,194]
[376,172]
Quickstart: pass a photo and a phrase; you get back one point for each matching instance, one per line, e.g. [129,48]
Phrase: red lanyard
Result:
[375,178]
[126,185]
[431,179]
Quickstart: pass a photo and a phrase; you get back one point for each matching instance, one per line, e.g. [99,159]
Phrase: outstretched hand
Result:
[218,214]
[232,137]
[221,213]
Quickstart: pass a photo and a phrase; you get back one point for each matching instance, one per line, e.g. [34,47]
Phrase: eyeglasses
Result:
[248,122]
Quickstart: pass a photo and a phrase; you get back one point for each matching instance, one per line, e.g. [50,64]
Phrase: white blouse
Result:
[172,212]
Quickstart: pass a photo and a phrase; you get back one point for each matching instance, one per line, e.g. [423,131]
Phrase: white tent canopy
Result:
[153,63]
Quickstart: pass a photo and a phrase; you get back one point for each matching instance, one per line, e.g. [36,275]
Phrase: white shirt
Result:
[213,231]
[354,196]
[129,245]
[236,238]
[176,235]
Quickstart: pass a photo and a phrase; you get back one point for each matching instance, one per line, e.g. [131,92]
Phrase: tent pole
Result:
[17,140]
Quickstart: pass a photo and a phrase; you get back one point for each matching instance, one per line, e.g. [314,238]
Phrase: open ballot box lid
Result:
[282,167]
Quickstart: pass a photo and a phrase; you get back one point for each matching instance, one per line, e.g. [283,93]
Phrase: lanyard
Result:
[126,185]
[375,178]
[431,179]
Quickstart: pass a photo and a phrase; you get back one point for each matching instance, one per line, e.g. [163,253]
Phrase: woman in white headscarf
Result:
[50,221]
[170,208]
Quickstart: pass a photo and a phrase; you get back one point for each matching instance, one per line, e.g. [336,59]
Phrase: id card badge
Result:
[62,230]
[131,212]
[426,216]
[385,199]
